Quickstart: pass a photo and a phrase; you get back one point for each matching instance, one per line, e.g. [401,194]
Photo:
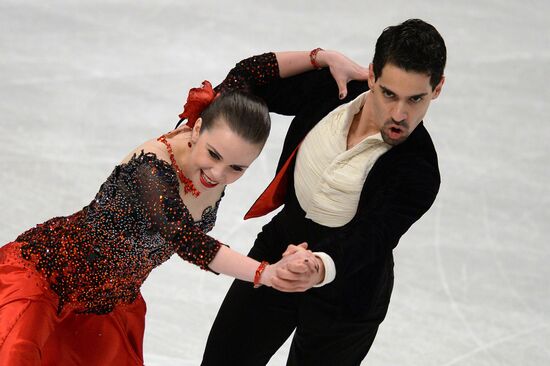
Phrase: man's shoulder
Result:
[420,141]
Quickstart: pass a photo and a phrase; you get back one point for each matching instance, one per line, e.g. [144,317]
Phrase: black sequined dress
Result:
[100,256]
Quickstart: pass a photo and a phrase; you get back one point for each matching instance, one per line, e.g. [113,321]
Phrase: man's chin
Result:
[393,141]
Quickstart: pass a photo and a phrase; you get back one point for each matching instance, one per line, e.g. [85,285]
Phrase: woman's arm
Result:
[341,67]
[287,80]
[285,275]
[154,187]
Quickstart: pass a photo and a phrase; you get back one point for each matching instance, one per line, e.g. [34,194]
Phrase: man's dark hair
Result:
[413,45]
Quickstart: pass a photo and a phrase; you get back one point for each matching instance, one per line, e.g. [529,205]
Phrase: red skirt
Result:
[32,333]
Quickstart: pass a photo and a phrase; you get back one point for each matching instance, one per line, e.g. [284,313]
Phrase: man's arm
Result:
[375,231]
[396,204]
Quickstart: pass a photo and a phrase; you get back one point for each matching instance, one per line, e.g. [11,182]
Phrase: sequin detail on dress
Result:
[99,257]
[254,71]
[208,217]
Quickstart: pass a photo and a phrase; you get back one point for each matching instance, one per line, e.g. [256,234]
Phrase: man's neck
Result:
[359,128]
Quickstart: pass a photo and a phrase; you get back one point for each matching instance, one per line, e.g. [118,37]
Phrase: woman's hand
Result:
[342,69]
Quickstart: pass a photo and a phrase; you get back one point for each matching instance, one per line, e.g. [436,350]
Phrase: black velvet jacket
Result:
[400,188]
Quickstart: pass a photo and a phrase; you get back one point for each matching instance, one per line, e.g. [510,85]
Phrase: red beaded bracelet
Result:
[313,57]
[258,274]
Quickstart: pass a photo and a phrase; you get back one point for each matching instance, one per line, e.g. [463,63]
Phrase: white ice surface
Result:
[82,83]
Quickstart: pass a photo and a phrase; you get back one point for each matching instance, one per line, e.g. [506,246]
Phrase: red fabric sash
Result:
[274,194]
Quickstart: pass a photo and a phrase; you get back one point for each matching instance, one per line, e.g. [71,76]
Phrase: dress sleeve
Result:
[251,73]
[259,75]
[156,190]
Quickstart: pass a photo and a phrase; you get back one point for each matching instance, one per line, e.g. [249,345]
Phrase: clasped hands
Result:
[297,271]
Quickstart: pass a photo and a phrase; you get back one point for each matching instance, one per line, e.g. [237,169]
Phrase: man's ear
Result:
[437,89]
[371,76]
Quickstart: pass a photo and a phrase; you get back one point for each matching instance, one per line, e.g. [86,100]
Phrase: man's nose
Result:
[399,113]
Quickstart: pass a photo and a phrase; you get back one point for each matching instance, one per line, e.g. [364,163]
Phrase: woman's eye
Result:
[214,155]
[237,168]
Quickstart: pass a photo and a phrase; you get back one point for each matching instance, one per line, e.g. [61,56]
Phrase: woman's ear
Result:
[196,130]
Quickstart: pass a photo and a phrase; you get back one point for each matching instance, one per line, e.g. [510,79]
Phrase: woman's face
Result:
[218,155]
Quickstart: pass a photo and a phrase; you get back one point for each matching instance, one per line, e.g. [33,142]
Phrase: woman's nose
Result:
[217,173]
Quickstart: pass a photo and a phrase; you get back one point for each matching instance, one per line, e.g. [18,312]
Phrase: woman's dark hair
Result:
[245,114]
[413,45]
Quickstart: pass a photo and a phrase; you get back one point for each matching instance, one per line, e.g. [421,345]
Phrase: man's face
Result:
[399,101]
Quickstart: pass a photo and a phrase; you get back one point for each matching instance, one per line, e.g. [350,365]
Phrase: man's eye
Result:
[416,99]
[387,94]
[214,155]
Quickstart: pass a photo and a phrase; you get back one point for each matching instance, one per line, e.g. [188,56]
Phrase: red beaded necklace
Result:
[187,183]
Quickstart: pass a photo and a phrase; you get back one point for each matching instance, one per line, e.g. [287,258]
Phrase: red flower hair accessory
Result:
[197,100]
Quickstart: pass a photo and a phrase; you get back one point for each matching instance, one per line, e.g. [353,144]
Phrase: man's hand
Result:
[298,270]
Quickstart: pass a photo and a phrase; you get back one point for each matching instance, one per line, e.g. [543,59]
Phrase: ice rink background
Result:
[82,83]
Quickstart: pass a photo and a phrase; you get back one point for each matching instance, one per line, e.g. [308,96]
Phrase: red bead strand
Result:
[188,185]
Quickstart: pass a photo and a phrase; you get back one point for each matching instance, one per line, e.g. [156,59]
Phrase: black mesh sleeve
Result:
[164,210]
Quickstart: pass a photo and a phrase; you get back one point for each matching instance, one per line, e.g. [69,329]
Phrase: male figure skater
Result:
[364,172]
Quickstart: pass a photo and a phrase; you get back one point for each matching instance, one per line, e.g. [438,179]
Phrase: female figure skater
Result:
[70,287]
